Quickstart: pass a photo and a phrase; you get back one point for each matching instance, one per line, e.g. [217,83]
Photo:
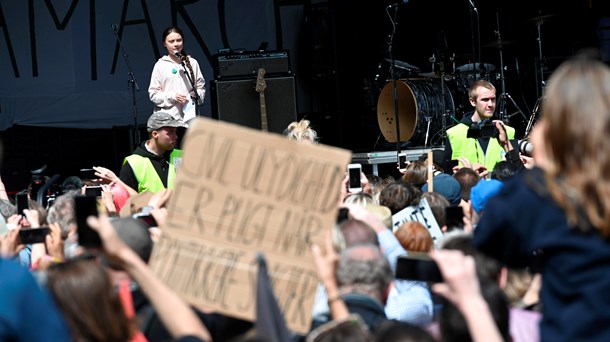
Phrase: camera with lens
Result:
[526,148]
[486,129]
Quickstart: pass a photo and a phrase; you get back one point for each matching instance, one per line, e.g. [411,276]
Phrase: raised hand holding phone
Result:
[419,267]
[84,207]
[355,181]
[22,203]
[402,162]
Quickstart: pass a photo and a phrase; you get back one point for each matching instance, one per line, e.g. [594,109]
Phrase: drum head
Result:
[407,111]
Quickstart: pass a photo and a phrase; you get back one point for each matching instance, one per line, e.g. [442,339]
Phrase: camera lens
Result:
[526,147]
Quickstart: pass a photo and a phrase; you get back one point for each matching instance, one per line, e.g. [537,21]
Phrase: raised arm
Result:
[177,316]
[461,287]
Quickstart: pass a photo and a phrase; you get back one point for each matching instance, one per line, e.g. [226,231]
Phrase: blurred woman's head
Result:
[571,142]
[88,301]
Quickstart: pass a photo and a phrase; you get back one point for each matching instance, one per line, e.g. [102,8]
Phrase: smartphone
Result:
[148,219]
[418,267]
[87,174]
[86,206]
[94,190]
[34,235]
[402,161]
[454,217]
[22,202]
[355,183]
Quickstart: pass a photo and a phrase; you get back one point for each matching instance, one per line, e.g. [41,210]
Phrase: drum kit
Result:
[426,106]
[426,100]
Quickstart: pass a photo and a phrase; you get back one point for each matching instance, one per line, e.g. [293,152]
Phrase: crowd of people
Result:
[523,256]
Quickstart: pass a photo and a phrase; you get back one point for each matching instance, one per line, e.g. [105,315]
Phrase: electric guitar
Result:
[260,89]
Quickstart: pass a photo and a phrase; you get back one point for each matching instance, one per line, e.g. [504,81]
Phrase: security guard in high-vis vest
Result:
[151,166]
[477,138]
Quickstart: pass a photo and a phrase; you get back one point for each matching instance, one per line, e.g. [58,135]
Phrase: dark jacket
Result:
[221,327]
[522,220]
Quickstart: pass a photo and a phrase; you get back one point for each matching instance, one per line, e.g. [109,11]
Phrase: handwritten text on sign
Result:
[240,191]
[420,213]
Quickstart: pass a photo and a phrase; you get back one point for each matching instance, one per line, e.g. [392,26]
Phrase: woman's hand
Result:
[181,98]
[108,198]
[9,244]
[32,217]
[106,175]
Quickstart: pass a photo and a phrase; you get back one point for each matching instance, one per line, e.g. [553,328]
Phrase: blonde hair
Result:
[518,282]
[300,131]
[361,198]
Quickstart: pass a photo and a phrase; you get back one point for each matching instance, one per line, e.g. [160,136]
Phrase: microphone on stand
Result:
[396,4]
[473,6]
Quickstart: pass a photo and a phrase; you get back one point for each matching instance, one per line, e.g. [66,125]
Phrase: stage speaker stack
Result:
[235,97]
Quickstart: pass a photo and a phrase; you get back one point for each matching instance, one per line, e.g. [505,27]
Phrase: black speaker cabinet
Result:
[238,102]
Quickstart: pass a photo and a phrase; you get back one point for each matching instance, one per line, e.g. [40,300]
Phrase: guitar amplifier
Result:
[237,101]
[247,64]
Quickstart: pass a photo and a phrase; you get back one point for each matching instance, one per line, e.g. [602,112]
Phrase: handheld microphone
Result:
[177,54]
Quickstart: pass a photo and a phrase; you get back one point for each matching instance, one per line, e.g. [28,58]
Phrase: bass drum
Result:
[421,104]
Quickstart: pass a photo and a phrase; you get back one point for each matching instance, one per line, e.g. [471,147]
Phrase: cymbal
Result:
[498,44]
[480,67]
[542,18]
[402,65]
[429,74]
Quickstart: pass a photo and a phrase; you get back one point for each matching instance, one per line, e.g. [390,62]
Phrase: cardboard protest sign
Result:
[240,191]
[422,214]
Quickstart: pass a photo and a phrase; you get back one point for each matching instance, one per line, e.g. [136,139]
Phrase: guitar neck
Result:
[260,88]
[263,112]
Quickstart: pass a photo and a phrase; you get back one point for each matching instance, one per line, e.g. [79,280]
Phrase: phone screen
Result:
[22,202]
[418,268]
[34,235]
[95,190]
[354,178]
[87,174]
[148,219]
[86,206]
[402,159]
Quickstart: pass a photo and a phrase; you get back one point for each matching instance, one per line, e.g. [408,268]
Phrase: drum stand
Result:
[539,80]
[393,74]
[445,112]
[504,95]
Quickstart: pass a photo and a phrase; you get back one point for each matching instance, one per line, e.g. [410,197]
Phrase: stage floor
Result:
[386,157]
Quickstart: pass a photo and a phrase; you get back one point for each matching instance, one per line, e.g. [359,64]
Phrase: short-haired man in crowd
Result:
[151,166]
[470,139]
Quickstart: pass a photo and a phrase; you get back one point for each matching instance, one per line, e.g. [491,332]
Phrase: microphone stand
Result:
[475,58]
[393,74]
[192,81]
[133,85]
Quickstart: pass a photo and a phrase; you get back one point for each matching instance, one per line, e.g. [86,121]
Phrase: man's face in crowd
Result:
[485,104]
[166,138]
